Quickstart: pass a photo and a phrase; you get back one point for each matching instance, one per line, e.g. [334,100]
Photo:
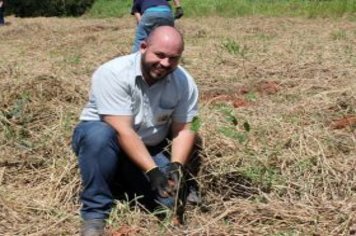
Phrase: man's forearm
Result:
[136,150]
[138,17]
[130,142]
[182,145]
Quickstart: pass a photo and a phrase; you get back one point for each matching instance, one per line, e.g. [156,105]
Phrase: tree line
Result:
[32,8]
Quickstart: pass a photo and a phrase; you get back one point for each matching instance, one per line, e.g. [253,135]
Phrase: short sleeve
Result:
[187,107]
[111,93]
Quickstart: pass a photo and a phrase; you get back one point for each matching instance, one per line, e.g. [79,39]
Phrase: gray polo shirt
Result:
[118,88]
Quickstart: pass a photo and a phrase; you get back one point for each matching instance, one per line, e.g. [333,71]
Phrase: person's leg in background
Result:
[148,22]
[2,21]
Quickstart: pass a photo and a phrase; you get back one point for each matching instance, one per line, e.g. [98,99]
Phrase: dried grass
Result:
[292,173]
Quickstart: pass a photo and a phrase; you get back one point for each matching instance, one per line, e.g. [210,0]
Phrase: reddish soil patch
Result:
[234,99]
[235,93]
[125,230]
[267,87]
[243,90]
[221,94]
[344,122]
[240,102]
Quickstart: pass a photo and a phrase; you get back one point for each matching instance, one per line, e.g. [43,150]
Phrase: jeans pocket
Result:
[76,139]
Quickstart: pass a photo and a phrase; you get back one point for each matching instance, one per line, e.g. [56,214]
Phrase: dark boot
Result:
[93,228]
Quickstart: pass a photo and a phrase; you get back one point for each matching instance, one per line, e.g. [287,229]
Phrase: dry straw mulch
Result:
[278,108]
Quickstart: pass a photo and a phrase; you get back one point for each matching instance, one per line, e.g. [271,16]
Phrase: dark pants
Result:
[2,21]
[106,171]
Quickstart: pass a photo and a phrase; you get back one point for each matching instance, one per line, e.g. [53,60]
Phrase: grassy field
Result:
[233,8]
[278,124]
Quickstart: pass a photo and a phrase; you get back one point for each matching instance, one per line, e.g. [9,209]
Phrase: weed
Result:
[124,212]
[251,96]
[265,177]
[339,35]
[229,127]
[72,59]
[196,124]
[16,111]
[229,114]
[234,48]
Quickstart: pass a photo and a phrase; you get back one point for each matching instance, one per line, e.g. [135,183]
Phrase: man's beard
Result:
[154,72]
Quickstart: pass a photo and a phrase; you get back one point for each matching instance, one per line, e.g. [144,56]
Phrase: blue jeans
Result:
[148,22]
[106,171]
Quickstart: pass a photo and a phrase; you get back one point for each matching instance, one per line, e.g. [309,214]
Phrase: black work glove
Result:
[159,182]
[178,13]
[175,172]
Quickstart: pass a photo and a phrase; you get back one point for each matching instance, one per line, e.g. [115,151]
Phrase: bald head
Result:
[166,35]
[161,52]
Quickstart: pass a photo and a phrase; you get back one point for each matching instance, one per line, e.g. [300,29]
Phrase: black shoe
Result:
[93,228]
[194,196]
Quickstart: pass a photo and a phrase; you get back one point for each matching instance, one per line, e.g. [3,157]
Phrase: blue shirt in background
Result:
[142,5]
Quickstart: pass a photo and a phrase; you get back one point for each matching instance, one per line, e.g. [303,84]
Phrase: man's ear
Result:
[143,46]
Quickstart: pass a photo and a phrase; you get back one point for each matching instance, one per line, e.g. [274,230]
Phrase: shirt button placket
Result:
[145,109]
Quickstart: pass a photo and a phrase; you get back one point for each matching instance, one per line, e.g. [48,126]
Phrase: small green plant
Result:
[234,48]
[339,35]
[232,133]
[119,214]
[16,111]
[67,120]
[196,124]
[166,212]
[265,177]
[228,113]
[230,127]
[251,96]
[304,165]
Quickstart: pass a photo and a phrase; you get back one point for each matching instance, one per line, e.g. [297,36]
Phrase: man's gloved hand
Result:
[178,13]
[175,174]
[159,182]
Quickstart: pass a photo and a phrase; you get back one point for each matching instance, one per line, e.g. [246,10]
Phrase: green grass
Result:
[110,8]
[233,8]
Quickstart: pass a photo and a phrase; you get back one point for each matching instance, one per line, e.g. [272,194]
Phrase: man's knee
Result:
[100,134]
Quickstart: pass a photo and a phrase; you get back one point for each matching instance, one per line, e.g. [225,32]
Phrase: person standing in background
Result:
[150,14]
[2,10]
[178,13]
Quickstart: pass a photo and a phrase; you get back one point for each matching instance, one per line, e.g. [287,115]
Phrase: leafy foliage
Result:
[30,8]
